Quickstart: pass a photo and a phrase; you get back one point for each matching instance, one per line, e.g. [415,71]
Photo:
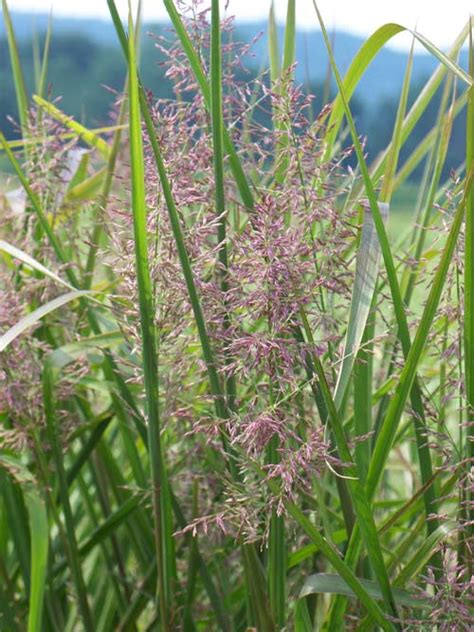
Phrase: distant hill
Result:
[382,80]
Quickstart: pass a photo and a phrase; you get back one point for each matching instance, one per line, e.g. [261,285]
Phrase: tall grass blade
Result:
[401,319]
[367,267]
[164,546]
[365,517]
[469,265]
[469,285]
[273,46]
[41,85]
[416,399]
[289,48]
[396,144]
[39,538]
[362,61]
[333,556]
[17,71]
[39,530]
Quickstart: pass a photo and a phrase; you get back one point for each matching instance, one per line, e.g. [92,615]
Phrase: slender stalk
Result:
[164,548]
[469,289]
[217,118]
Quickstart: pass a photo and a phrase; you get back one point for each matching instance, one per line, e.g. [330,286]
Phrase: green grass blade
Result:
[321,583]
[16,520]
[424,553]
[89,188]
[332,555]
[39,530]
[364,58]
[273,47]
[40,88]
[401,319]
[416,399]
[62,356]
[396,144]
[17,72]
[39,538]
[164,547]
[289,47]
[469,286]
[374,206]
[422,556]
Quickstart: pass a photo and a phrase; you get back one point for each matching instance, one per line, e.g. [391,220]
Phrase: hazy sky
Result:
[437,20]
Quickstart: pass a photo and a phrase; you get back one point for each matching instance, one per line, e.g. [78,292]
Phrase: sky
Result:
[438,21]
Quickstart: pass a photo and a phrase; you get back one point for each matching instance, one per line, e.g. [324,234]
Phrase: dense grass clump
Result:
[229,400]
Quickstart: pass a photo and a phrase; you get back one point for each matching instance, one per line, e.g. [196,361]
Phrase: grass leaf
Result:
[17,71]
[29,261]
[164,545]
[367,267]
[333,584]
[88,136]
[32,319]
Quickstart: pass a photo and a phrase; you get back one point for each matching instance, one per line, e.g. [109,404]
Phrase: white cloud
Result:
[438,21]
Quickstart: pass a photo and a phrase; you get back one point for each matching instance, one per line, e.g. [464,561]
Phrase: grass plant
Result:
[232,396]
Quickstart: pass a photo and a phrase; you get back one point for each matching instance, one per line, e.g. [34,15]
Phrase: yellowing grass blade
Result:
[87,135]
